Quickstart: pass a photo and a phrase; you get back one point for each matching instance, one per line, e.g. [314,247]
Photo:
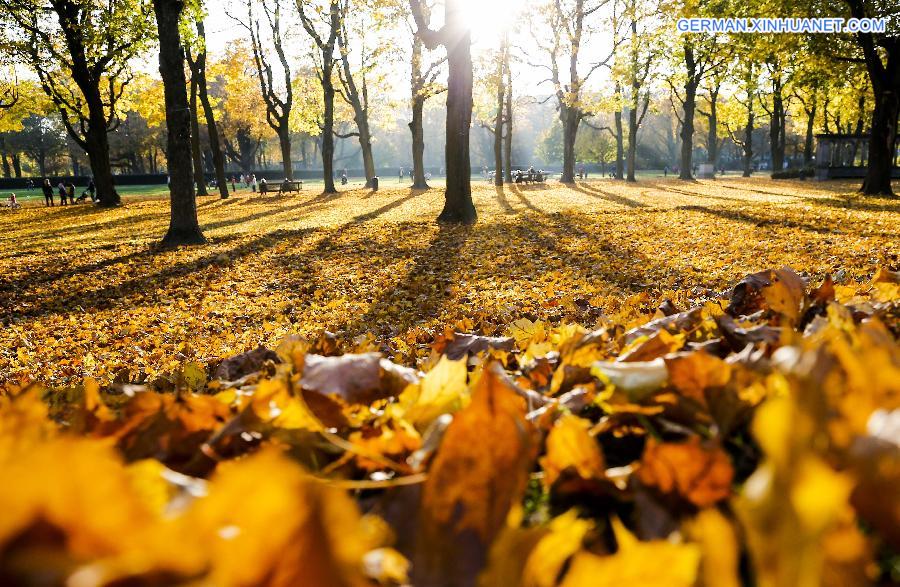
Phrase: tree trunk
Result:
[748,142]
[97,147]
[620,145]
[183,225]
[212,130]
[418,144]
[328,130]
[498,125]
[712,137]
[883,139]
[810,128]
[7,169]
[632,141]
[570,118]
[196,155]
[687,131]
[284,141]
[508,138]
[776,127]
[458,205]
[365,145]
[17,165]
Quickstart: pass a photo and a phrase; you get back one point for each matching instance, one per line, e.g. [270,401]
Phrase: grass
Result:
[86,292]
[34,196]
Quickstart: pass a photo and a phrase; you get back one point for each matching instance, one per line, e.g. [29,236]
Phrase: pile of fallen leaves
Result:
[752,440]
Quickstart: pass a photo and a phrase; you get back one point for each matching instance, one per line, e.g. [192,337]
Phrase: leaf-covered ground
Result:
[604,385]
[82,292]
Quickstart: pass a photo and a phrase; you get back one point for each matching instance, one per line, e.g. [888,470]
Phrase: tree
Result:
[197,65]
[355,80]
[326,44]
[90,45]
[41,138]
[240,113]
[196,153]
[739,113]
[456,38]
[881,55]
[712,91]
[569,22]
[279,97]
[423,85]
[776,108]
[641,53]
[183,226]
[508,137]
[496,81]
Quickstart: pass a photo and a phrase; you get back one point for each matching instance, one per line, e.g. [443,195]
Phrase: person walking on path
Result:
[48,193]
[61,188]
[253,183]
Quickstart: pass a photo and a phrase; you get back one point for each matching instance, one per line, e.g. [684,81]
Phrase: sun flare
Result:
[490,18]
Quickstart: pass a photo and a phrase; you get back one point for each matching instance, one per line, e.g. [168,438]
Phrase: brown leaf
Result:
[472,344]
[233,368]
[778,290]
[698,473]
[480,470]
[356,379]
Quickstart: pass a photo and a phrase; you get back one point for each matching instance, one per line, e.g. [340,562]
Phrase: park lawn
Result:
[85,292]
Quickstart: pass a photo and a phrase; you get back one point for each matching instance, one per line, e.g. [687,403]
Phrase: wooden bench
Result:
[285,186]
[529,177]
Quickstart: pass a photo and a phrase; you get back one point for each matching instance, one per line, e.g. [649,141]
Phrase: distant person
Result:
[401,174]
[70,191]
[233,189]
[63,193]
[344,178]
[253,183]
[13,202]
[91,190]
[48,193]
[263,186]
[665,171]
[30,185]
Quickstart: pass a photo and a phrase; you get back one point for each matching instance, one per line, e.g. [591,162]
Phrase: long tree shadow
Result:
[44,237]
[108,296]
[595,259]
[504,203]
[667,188]
[856,203]
[609,197]
[255,216]
[759,221]
[525,201]
[425,287]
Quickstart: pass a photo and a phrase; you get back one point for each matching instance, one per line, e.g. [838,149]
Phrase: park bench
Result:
[530,177]
[285,186]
